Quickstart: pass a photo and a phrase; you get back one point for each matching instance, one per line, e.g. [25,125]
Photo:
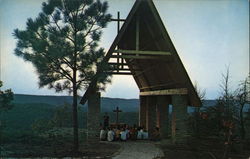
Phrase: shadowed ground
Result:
[138,150]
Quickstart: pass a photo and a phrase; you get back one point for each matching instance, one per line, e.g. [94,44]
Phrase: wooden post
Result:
[163,115]
[151,115]
[142,112]
[93,119]
[179,120]
[137,42]
[118,29]
[173,127]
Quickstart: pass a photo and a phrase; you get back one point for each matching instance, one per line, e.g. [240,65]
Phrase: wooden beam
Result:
[160,85]
[146,69]
[165,92]
[137,57]
[114,63]
[125,69]
[133,68]
[137,36]
[122,69]
[121,73]
[143,52]
[116,20]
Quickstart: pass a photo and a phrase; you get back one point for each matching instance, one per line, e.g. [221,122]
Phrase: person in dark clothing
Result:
[106,120]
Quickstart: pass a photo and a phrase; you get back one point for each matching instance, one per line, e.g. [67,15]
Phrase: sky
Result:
[209,36]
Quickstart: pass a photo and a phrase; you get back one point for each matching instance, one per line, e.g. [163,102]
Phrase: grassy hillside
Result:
[29,108]
[22,116]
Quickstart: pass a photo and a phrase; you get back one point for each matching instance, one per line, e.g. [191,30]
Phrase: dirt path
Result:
[138,150]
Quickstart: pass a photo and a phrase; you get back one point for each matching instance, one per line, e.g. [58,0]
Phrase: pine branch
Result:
[69,13]
[93,23]
[67,75]
[67,62]
[64,59]
[83,8]
[64,73]
[60,29]
[88,32]
[83,48]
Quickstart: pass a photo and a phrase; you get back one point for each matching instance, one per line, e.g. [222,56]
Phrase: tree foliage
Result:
[227,116]
[5,99]
[63,116]
[63,45]
[242,98]
[201,92]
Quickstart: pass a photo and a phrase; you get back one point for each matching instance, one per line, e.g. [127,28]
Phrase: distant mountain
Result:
[126,105]
[107,104]
[52,100]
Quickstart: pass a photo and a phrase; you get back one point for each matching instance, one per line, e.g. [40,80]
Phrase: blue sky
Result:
[209,35]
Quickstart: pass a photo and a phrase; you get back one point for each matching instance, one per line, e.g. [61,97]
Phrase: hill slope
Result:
[107,104]
[29,108]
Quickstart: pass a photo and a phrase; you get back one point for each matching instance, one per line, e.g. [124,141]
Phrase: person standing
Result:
[106,120]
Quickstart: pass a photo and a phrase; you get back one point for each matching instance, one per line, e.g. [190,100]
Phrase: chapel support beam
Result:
[151,115]
[93,121]
[142,111]
[164,53]
[162,110]
[179,118]
[178,91]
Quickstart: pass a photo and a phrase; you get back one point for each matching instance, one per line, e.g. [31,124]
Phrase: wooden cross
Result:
[117,111]
[118,20]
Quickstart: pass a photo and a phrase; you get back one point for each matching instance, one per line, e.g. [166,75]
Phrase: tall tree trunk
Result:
[75,115]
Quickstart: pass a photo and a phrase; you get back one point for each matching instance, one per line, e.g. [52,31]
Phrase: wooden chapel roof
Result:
[158,69]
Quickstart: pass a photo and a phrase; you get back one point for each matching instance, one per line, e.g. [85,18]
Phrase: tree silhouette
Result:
[5,99]
[242,98]
[62,44]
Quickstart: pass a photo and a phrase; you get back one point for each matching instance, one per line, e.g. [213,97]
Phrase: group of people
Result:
[125,132]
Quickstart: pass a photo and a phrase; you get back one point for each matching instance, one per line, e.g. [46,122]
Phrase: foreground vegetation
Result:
[44,130]
[206,147]
[38,129]
[56,142]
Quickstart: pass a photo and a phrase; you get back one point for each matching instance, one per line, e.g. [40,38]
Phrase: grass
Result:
[205,148]
[18,139]
[57,142]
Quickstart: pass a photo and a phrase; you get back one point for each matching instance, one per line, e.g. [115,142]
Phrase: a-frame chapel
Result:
[143,49]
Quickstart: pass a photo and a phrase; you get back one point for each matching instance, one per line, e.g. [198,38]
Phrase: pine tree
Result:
[62,44]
